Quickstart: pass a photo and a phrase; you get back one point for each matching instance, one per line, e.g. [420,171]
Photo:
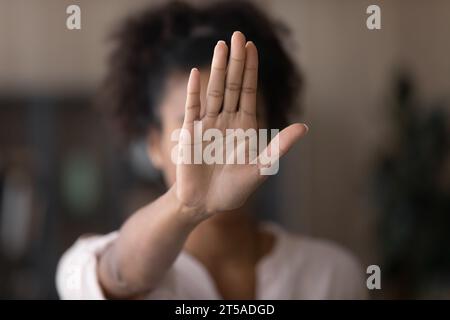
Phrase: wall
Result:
[348,72]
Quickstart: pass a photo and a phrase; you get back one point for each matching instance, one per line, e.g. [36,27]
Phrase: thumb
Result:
[282,142]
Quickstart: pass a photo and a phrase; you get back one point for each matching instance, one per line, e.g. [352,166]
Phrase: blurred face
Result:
[171,115]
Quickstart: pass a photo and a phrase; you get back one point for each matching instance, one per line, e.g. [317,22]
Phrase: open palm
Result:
[230,104]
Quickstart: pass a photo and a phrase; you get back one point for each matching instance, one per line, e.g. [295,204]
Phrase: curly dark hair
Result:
[177,36]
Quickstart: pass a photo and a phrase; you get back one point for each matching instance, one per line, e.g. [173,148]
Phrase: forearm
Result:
[148,243]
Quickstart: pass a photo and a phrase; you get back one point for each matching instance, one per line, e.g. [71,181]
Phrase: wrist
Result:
[188,214]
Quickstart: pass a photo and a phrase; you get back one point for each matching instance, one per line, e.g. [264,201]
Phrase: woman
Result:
[199,240]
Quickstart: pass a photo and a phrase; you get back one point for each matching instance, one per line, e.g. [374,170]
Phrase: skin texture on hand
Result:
[230,104]
[151,239]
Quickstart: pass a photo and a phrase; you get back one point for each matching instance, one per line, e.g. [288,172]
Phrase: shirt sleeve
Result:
[76,274]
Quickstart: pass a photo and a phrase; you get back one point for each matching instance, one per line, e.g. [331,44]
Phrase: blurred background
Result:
[372,175]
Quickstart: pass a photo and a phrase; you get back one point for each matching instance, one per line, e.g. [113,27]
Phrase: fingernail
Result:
[237,33]
[306,127]
[221,42]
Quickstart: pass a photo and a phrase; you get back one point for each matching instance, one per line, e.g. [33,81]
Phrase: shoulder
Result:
[325,254]
[322,269]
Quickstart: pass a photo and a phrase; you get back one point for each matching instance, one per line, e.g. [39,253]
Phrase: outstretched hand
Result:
[230,104]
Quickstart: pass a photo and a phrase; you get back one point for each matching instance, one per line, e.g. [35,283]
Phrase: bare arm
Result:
[153,237]
[148,243]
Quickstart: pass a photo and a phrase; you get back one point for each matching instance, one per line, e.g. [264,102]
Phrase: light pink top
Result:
[298,267]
